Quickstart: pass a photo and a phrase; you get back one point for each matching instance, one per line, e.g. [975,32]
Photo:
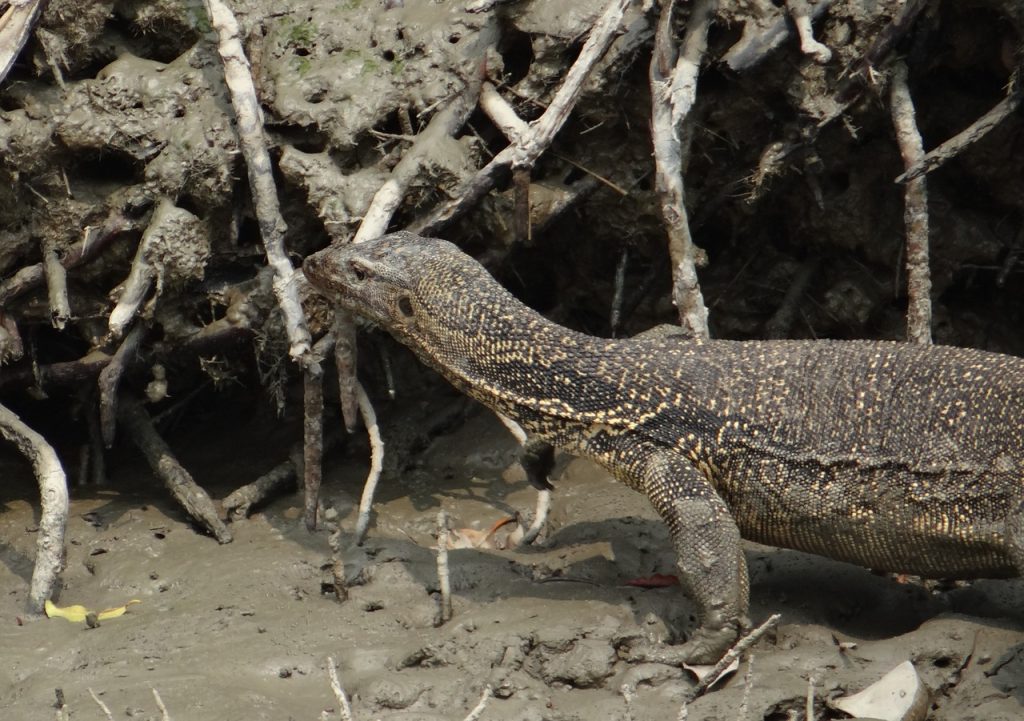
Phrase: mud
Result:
[243,631]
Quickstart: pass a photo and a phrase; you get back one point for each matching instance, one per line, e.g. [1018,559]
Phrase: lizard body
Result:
[893,456]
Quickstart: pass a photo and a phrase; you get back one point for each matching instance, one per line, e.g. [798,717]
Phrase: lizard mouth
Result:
[325,272]
[332,273]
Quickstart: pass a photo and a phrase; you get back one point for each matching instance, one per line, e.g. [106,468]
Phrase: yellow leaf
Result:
[115,612]
[77,613]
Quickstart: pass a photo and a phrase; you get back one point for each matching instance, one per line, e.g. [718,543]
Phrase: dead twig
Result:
[345,353]
[478,710]
[521,206]
[809,702]
[97,463]
[443,125]
[194,499]
[164,714]
[313,428]
[628,692]
[261,180]
[57,286]
[502,114]
[338,565]
[513,128]
[731,655]
[965,138]
[673,81]
[167,224]
[748,686]
[376,463]
[443,580]
[615,318]
[344,709]
[312,439]
[240,501]
[53,493]
[110,379]
[94,240]
[915,213]
[523,154]
[103,706]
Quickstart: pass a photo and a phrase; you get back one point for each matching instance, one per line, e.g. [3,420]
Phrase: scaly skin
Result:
[889,455]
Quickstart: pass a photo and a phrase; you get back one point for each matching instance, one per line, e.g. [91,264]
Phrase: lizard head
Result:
[399,281]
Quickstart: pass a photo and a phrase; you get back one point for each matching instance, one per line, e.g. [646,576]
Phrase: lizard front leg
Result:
[712,567]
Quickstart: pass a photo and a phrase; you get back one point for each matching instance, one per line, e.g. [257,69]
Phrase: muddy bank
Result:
[243,631]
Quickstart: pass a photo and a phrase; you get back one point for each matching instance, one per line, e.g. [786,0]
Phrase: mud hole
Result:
[115,117]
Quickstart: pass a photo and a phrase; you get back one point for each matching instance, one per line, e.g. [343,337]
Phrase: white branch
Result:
[53,492]
[251,138]
[376,462]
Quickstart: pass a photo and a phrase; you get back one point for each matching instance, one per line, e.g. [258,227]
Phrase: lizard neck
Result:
[509,357]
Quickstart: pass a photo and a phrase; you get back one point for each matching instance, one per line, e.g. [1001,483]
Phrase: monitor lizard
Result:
[893,456]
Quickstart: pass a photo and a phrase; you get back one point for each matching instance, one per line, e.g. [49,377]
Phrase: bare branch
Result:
[93,241]
[53,492]
[57,286]
[343,330]
[965,138]
[164,714]
[478,710]
[376,462]
[261,180]
[525,152]
[344,709]
[312,439]
[179,482]
[443,580]
[915,214]
[445,123]
[103,706]
[110,379]
[673,91]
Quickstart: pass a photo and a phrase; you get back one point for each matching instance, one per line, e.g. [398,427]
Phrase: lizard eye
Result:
[358,271]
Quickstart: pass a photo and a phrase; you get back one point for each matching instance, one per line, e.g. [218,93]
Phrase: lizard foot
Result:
[705,647]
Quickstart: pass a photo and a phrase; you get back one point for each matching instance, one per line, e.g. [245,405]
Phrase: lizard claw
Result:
[705,647]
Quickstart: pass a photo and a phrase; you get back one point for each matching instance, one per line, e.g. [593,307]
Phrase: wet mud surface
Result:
[243,631]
